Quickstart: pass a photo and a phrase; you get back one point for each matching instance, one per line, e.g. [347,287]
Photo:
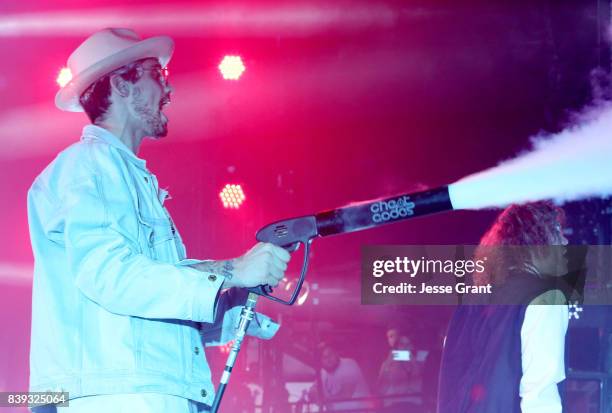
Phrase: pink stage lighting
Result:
[231,67]
[64,76]
[232,196]
[225,349]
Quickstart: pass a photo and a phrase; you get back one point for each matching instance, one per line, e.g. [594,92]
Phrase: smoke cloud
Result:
[571,165]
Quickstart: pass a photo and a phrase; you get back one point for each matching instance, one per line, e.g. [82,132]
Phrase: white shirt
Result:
[543,355]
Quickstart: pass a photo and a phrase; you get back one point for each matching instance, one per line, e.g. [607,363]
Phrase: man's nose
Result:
[168,89]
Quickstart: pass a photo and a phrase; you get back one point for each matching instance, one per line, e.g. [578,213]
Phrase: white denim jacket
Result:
[115,308]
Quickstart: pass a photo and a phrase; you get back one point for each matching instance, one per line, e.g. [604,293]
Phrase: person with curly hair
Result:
[507,355]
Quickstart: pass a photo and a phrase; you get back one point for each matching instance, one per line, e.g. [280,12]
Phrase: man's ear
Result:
[120,85]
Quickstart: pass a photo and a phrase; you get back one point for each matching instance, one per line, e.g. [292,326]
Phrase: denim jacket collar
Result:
[97,133]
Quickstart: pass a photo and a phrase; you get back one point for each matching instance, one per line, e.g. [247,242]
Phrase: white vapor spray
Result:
[571,165]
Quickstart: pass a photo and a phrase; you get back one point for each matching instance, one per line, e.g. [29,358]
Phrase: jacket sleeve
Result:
[109,268]
[223,329]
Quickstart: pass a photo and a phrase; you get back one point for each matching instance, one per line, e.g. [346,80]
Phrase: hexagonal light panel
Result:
[231,67]
[232,196]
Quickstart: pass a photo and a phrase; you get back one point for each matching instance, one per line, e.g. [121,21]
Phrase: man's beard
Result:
[154,121]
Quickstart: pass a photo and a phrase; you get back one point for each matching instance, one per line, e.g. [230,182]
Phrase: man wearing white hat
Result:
[119,315]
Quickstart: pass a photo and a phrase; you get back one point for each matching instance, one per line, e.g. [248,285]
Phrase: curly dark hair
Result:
[535,224]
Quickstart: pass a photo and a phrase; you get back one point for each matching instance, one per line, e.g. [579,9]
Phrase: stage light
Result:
[231,67]
[65,76]
[232,196]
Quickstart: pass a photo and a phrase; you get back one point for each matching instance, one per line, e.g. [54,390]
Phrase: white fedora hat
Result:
[103,52]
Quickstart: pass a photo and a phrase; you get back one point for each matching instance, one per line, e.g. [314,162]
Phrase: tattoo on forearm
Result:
[224,268]
[228,269]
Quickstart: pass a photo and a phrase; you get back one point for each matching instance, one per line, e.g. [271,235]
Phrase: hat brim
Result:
[159,47]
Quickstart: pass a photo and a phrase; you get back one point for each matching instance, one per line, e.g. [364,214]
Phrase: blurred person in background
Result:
[399,377]
[339,380]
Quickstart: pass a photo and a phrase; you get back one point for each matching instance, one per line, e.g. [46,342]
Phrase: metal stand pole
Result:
[246,316]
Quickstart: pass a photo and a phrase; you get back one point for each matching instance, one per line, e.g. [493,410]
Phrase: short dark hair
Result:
[95,100]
